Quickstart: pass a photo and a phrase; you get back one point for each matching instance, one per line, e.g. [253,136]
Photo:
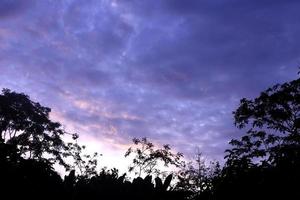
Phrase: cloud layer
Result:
[170,70]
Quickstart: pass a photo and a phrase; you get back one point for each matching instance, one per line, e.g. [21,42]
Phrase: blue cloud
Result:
[171,70]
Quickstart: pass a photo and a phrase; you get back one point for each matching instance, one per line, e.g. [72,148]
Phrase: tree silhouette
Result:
[272,121]
[146,157]
[265,162]
[197,176]
[26,125]
[85,165]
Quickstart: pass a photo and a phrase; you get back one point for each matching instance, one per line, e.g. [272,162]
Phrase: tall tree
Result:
[264,163]
[147,158]
[272,121]
[198,175]
[26,125]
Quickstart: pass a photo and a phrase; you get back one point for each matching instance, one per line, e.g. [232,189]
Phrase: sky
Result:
[169,70]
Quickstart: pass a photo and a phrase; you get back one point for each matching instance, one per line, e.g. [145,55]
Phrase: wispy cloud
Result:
[171,70]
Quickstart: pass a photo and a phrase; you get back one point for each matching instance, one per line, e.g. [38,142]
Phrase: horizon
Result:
[169,71]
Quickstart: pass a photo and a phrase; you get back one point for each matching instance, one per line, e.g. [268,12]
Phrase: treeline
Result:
[262,164]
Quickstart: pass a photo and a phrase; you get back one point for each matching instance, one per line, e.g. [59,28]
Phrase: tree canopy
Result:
[26,124]
[147,158]
[272,122]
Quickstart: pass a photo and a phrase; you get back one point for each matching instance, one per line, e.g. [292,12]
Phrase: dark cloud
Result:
[170,70]
[219,40]
[10,8]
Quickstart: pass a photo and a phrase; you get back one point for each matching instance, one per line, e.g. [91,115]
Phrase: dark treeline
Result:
[263,164]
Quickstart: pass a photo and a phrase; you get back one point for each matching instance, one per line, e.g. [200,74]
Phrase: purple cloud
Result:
[172,71]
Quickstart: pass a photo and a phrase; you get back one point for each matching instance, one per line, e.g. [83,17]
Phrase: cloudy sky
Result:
[169,70]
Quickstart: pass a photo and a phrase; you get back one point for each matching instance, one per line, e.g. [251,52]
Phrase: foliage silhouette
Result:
[273,124]
[265,163]
[84,164]
[197,176]
[147,159]
[26,125]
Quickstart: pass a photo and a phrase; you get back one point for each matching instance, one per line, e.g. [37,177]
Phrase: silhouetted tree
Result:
[197,176]
[26,125]
[265,162]
[147,158]
[84,164]
[272,121]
